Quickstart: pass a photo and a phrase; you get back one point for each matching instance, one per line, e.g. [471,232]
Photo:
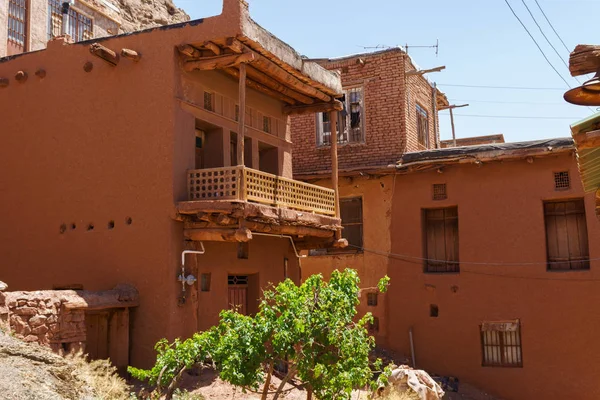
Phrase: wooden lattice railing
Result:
[246,184]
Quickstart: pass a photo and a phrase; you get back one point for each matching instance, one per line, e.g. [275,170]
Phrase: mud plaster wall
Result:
[500,219]
[377,204]
[94,160]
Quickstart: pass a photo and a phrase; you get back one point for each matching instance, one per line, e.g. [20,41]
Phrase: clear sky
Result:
[480,43]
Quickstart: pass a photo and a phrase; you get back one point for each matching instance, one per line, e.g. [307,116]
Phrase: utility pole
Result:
[452,107]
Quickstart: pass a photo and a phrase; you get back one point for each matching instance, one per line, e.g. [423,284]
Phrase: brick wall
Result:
[382,77]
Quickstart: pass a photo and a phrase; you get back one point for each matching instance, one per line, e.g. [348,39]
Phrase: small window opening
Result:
[209,101]
[562,180]
[439,191]
[243,250]
[372,299]
[267,124]
[501,344]
[422,126]
[434,310]
[205,282]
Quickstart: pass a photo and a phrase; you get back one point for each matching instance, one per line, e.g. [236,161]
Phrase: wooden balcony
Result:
[240,183]
[233,203]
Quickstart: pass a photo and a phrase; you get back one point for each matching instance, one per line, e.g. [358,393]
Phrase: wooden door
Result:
[97,344]
[238,298]
[17,27]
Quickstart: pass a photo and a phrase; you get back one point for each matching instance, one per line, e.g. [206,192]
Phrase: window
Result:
[209,104]
[566,235]
[350,120]
[501,344]
[372,299]
[422,126]
[434,311]
[441,239]
[267,124]
[562,181]
[439,191]
[81,27]
[205,282]
[17,26]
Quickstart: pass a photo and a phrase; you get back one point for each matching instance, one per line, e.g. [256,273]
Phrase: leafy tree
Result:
[312,328]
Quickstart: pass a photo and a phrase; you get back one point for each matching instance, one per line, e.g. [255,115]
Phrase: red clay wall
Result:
[501,219]
[388,132]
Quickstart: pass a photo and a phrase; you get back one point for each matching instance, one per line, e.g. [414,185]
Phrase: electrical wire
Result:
[536,43]
[508,102]
[500,87]
[515,117]
[552,26]
[421,260]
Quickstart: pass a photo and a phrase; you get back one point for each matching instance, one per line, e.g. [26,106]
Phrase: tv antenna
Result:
[436,46]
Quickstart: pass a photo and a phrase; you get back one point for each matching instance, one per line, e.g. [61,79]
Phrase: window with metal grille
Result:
[566,235]
[562,180]
[351,126]
[441,239]
[17,26]
[372,299]
[267,124]
[209,104]
[439,191]
[422,126]
[501,344]
[237,279]
[81,27]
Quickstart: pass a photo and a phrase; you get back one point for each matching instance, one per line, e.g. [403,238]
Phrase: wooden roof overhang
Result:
[265,73]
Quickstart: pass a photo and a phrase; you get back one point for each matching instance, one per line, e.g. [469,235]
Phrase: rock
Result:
[40,330]
[3,286]
[37,320]
[142,14]
[25,311]
[21,303]
[30,339]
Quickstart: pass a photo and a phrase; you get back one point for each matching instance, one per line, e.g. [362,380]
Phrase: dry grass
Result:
[100,377]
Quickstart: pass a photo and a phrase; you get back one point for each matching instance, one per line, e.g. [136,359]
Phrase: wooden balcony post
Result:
[242,115]
[333,117]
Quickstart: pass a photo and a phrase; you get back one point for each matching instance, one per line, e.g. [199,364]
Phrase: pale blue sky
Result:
[481,43]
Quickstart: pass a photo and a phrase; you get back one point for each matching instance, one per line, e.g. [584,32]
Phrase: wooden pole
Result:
[333,116]
[241,115]
[453,133]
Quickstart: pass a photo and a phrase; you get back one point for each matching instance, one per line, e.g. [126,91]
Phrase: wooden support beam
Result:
[271,83]
[261,88]
[218,235]
[242,115]
[104,53]
[333,117]
[587,140]
[278,73]
[585,59]
[212,47]
[189,51]
[131,55]
[336,105]
[219,62]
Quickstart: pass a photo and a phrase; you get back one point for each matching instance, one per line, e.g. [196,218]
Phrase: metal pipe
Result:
[190,279]
[281,236]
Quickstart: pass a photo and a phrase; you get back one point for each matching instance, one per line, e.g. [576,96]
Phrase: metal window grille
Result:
[501,344]
[372,299]
[267,124]
[422,126]
[17,25]
[439,191]
[441,239]
[562,180]
[209,101]
[237,279]
[566,235]
[81,27]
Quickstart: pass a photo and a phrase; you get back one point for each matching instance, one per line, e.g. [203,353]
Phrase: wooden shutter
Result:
[566,235]
[352,221]
[441,239]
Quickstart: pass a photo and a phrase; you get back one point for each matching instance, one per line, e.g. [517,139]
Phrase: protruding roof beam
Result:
[336,105]
[219,62]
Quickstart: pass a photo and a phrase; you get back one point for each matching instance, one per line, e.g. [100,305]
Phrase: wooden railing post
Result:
[333,115]
[243,187]
[241,115]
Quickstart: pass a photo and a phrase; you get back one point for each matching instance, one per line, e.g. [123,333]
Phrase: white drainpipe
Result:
[190,279]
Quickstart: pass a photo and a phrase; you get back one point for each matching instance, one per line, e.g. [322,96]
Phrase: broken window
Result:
[566,235]
[441,239]
[501,344]
[81,26]
[350,120]
[422,126]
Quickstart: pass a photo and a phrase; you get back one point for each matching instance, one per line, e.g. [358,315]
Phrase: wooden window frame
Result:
[26,26]
[501,346]
[554,263]
[348,250]
[344,135]
[450,266]
[422,117]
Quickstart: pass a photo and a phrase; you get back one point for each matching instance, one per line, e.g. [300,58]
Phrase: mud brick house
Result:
[163,160]
[490,246]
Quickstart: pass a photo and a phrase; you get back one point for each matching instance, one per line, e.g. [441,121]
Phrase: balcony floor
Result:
[227,220]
